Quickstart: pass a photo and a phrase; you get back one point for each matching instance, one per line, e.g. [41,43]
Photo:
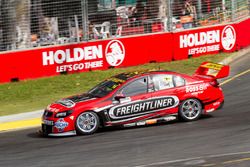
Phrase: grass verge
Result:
[32,95]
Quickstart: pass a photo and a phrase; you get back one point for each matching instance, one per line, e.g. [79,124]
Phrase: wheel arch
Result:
[100,116]
[180,114]
[193,97]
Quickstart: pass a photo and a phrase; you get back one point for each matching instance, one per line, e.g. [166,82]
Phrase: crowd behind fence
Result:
[27,24]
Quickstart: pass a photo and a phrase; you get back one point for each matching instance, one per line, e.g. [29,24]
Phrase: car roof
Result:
[129,75]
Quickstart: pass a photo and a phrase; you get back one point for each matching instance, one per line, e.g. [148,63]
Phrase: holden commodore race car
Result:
[138,98]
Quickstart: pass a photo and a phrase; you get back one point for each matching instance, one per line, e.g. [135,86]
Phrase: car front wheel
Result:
[190,110]
[87,123]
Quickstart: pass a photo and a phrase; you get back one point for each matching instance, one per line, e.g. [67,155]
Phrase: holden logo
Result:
[228,37]
[115,53]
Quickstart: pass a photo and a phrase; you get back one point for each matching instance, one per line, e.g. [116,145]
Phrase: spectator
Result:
[152,9]
[162,9]
[189,14]
[139,13]
[190,9]
[130,14]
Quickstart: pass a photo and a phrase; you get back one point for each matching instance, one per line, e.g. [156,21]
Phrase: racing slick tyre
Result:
[190,110]
[87,123]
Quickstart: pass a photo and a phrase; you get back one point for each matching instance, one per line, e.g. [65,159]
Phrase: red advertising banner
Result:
[87,56]
[243,33]
[194,43]
[122,52]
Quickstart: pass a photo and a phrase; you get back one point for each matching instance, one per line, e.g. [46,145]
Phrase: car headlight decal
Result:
[64,114]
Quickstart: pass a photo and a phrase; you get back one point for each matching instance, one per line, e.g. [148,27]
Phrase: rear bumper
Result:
[221,105]
[217,105]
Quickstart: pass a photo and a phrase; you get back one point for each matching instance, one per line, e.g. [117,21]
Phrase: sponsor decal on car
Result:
[151,121]
[210,110]
[141,123]
[61,124]
[169,118]
[47,122]
[49,108]
[216,103]
[196,88]
[129,125]
[66,102]
[214,66]
[143,107]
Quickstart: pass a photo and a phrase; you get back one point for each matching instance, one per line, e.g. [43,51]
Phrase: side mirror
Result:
[119,97]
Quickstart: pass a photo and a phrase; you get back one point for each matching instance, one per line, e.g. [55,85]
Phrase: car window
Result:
[179,81]
[105,87]
[162,81]
[136,87]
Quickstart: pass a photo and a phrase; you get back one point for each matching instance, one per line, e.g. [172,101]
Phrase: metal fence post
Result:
[248,4]
[170,16]
[199,9]
[233,11]
[84,7]
[28,40]
[77,28]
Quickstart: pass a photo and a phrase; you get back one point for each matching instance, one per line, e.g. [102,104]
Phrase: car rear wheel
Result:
[87,123]
[190,110]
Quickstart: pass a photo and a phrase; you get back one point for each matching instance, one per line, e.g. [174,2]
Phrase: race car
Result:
[138,98]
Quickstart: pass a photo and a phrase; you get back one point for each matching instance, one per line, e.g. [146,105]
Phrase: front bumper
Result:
[47,130]
[57,126]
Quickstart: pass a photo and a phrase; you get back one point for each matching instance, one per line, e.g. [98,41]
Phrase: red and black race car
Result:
[138,98]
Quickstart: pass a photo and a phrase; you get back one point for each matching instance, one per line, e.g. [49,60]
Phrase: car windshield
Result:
[105,87]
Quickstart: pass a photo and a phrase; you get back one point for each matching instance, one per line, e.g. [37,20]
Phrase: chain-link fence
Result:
[33,23]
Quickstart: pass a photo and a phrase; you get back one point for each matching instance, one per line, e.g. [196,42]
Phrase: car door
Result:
[129,101]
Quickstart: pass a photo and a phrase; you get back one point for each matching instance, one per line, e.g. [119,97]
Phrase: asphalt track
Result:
[221,139]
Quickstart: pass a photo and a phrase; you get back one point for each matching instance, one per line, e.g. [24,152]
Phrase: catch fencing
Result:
[26,24]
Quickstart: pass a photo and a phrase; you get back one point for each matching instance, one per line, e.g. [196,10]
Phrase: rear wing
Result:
[213,69]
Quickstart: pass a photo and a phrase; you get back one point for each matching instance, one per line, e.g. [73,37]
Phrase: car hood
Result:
[80,98]
[70,102]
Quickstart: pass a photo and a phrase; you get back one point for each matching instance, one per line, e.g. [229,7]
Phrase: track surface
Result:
[222,139]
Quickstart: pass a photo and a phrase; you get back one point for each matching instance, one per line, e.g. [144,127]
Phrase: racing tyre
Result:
[190,110]
[87,123]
